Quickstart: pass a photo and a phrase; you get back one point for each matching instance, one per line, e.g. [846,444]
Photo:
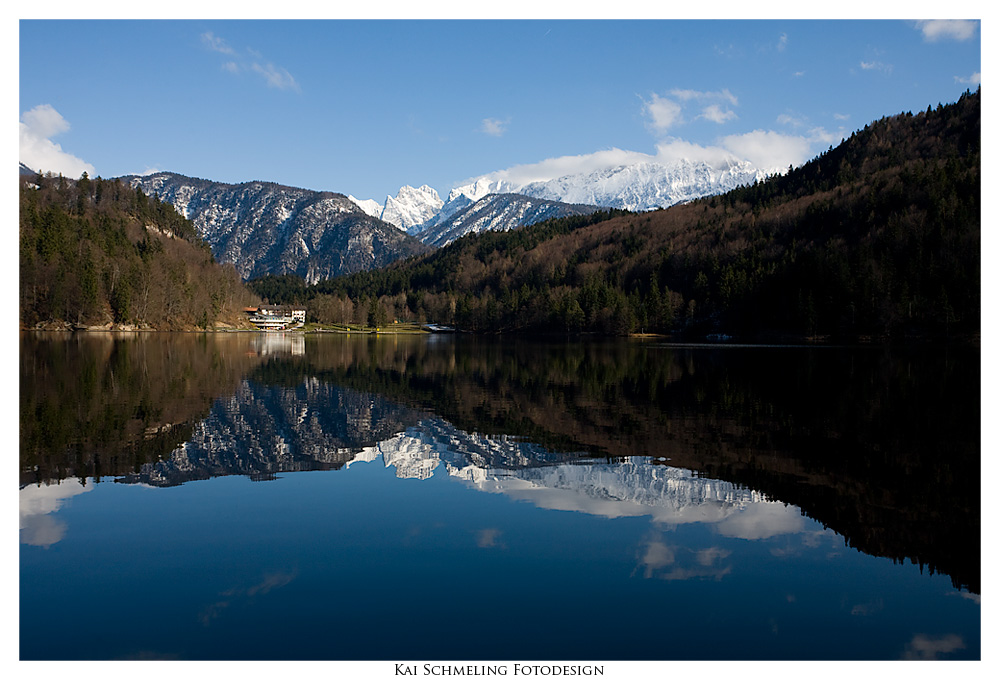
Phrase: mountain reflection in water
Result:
[880,445]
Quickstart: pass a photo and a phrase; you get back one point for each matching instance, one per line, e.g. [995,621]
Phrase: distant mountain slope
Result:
[265,228]
[499,212]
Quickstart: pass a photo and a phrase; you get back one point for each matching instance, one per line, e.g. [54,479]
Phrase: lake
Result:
[287,496]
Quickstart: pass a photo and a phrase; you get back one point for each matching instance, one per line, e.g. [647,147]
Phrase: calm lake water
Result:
[245,496]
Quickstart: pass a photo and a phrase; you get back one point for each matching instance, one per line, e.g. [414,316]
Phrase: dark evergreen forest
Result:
[98,252]
[878,237]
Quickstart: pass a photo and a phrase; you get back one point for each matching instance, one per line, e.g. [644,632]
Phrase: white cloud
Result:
[45,121]
[782,42]
[947,29]
[974,79]
[715,114]
[769,150]
[494,126]
[841,116]
[663,113]
[678,149]
[39,152]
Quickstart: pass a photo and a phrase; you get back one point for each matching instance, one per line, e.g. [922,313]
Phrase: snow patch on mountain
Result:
[498,212]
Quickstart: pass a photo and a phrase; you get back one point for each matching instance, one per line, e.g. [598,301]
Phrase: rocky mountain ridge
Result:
[499,212]
[266,228]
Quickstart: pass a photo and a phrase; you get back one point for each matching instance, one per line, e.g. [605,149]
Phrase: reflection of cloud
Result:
[970,596]
[36,503]
[268,583]
[487,538]
[667,563]
[867,608]
[709,556]
[926,647]
[762,520]
[657,556]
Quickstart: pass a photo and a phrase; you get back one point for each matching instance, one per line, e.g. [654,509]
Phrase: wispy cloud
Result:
[876,66]
[216,44]
[782,42]
[788,119]
[665,112]
[494,126]
[275,76]
[947,29]
[974,79]
[251,61]
[39,152]
[268,583]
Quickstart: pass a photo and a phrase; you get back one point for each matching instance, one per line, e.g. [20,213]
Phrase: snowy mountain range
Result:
[636,187]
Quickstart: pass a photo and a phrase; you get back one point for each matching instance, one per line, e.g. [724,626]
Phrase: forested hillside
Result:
[99,253]
[878,237]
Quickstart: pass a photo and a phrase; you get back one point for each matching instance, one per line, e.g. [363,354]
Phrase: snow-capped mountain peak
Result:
[411,207]
[369,205]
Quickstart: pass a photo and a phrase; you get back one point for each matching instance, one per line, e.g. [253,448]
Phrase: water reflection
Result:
[880,446]
[37,504]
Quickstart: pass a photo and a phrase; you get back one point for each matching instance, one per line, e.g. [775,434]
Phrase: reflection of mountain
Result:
[524,471]
[97,404]
[880,446]
[262,430]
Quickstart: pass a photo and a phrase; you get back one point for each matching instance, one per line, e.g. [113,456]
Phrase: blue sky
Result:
[363,107]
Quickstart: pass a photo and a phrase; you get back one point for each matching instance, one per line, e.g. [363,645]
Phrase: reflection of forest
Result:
[96,404]
[880,445]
